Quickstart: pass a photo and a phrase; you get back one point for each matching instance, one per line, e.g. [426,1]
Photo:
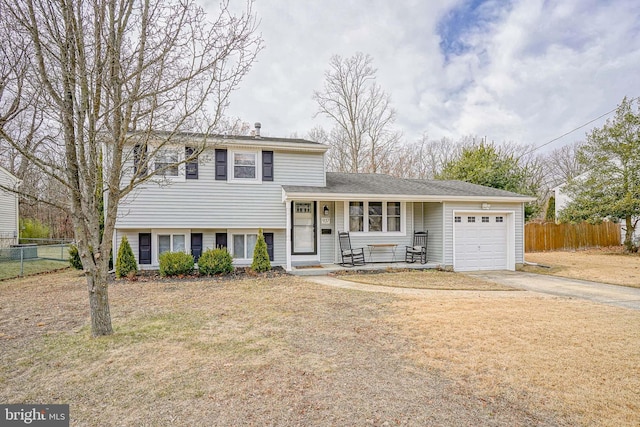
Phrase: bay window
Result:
[375,217]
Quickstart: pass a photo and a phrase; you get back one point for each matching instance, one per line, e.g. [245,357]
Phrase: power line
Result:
[571,131]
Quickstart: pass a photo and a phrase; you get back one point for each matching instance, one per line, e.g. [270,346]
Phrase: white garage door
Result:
[480,242]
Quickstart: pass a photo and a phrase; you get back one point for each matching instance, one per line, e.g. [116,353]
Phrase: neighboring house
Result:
[8,209]
[244,183]
[563,199]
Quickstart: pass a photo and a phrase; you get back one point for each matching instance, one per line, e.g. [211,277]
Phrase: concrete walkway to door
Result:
[619,296]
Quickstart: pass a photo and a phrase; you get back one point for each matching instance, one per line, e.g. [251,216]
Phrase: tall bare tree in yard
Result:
[362,138]
[111,73]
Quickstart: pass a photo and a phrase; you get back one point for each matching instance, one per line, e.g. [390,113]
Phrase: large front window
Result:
[375,217]
[245,166]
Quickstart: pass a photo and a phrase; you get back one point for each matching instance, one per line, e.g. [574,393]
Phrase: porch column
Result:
[287,238]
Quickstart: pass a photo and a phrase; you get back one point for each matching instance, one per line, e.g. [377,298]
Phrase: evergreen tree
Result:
[260,255]
[126,261]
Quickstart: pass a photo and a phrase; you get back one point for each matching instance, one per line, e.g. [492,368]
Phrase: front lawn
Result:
[284,351]
[607,265]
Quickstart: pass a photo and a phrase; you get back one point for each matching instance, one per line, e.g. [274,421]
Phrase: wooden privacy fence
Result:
[550,237]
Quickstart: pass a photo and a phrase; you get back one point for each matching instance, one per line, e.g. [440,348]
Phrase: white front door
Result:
[304,230]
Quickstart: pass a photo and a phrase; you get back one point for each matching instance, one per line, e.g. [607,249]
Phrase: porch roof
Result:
[346,186]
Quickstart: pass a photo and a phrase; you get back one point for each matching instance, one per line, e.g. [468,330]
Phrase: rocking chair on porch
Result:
[350,256]
[419,248]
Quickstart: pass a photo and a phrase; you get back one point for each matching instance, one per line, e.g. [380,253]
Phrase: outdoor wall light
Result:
[325,210]
[486,206]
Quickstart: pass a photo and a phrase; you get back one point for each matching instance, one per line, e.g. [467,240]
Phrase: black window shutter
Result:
[221,240]
[191,168]
[267,165]
[139,159]
[221,165]
[268,238]
[144,248]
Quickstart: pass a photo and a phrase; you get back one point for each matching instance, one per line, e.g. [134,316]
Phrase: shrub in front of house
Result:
[261,261]
[215,261]
[125,262]
[74,257]
[176,263]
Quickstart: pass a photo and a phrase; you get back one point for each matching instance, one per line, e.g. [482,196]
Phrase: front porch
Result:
[325,269]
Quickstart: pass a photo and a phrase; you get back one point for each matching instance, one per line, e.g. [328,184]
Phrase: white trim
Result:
[510,223]
[231,165]
[287,246]
[155,246]
[366,232]
[181,176]
[401,197]
[230,243]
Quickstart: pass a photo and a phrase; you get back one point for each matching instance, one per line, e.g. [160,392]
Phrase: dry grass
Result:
[282,351]
[427,279]
[556,355]
[607,265]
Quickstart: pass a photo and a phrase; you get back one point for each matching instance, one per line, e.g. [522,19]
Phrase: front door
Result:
[196,246]
[304,228]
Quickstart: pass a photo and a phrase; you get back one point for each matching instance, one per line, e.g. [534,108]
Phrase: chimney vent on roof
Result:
[257,131]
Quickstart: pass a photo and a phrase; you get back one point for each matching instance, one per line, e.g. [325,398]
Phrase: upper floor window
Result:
[245,165]
[375,216]
[163,161]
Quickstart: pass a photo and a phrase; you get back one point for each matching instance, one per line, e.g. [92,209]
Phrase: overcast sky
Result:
[522,71]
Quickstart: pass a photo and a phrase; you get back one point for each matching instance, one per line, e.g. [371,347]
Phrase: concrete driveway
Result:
[620,296]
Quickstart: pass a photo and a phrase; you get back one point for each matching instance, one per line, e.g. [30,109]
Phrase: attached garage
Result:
[483,241]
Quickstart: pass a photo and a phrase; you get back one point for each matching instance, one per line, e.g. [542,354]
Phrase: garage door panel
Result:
[481,245]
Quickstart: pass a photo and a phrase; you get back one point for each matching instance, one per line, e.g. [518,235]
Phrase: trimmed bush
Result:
[175,263]
[74,257]
[261,261]
[215,261]
[125,262]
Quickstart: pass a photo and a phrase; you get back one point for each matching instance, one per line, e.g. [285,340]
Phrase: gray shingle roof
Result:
[378,184]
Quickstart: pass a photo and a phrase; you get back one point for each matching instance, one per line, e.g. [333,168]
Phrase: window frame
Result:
[180,169]
[231,243]
[232,165]
[171,242]
[385,217]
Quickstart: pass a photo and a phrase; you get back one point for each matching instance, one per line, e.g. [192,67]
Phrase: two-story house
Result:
[243,183]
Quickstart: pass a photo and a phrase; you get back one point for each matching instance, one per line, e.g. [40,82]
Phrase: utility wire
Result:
[567,133]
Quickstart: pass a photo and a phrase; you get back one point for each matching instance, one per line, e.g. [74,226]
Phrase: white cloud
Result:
[532,69]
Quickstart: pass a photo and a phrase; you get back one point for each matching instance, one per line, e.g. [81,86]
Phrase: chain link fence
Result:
[33,258]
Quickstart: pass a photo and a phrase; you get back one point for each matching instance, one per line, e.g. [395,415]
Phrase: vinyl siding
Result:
[518,213]
[8,210]
[207,203]
[429,218]
[208,239]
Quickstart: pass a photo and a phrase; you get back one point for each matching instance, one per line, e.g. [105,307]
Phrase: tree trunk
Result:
[99,304]
[628,236]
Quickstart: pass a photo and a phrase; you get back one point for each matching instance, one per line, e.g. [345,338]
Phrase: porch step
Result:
[325,269]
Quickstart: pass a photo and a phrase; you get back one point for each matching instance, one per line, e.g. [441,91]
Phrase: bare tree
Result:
[114,74]
[424,159]
[363,138]
[562,163]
